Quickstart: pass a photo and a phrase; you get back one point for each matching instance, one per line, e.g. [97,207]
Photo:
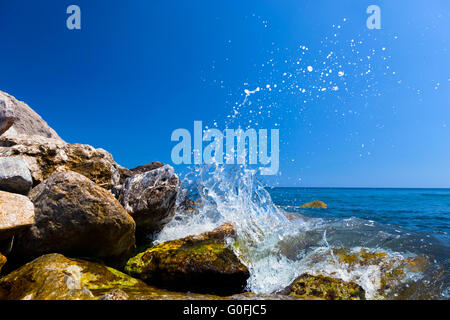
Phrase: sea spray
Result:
[344,72]
[234,194]
[277,249]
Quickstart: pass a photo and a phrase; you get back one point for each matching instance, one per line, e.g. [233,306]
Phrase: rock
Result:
[15,176]
[2,262]
[115,294]
[324,288]
[6,114]
[150,198]
[76,217]
[315,204]
[252,296]
[45,156]
[202,264]
[55,277]
[393,271]
[148,167]
[16,213]
[189,207]
[18,118]
[124,174]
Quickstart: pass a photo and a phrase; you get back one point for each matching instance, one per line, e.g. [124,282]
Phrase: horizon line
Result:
[445,188]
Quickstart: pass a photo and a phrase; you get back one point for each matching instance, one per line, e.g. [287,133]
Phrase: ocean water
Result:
[398,236]
[425,211]
[406,221]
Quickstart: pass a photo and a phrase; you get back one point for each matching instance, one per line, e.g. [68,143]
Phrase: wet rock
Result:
[324,288]
[200,263]
[2,262]
[115,294]
[392,269]
[315,204]
[76,217]
[45,156]
[16,214]
[55,277]
[252,296]
[148,167]
[18,118]
[150,198]
[189,207]
[15,176]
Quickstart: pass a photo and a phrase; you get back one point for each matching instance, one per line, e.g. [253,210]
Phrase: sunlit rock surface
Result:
[150,198]
[45,156]
[16,214]
[74,216]
[17,118]
[15,176]
[200,263]
[55,277]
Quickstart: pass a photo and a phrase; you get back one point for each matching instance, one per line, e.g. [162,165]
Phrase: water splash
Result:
[277,247]
[233,194]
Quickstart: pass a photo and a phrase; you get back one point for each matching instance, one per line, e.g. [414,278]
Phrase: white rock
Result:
[15,176]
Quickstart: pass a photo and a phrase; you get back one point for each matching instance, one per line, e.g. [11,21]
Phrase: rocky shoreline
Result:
[72,220]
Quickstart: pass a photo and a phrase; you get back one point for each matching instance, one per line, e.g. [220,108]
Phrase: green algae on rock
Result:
[315,204]
[55,277]
[200,263]
[324,288]
[394,269]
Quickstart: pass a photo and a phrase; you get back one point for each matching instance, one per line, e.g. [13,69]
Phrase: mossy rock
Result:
[201,264]
[55,277]
[324,288]
[362,257]
[315,204]
[393,268]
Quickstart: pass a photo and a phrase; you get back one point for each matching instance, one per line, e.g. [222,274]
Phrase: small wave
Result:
[438,195]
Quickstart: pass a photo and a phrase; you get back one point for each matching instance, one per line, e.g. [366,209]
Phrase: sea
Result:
[394,243]
[425,212]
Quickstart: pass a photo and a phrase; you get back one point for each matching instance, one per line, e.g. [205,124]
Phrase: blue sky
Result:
[137,70]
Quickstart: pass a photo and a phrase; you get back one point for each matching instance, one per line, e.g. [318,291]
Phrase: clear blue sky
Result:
[140,69]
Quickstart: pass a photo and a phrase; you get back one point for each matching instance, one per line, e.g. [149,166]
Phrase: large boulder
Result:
[324,288]
[150,198]
[55,277]
[45,156]
[16,214]
[203,264]
[18,118]
[15,176]
[76,217]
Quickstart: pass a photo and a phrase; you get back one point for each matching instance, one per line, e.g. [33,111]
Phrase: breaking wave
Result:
[277,246]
